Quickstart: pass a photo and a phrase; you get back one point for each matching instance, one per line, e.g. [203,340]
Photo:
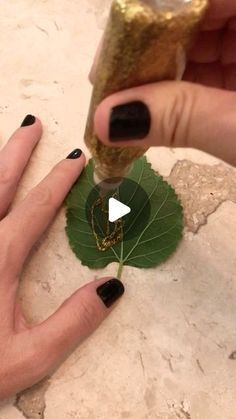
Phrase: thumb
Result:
[77,318]
[170,114]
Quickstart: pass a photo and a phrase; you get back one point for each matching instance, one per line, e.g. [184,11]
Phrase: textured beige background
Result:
[165,352]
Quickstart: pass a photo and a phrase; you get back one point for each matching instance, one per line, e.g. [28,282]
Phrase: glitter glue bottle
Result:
[145,41]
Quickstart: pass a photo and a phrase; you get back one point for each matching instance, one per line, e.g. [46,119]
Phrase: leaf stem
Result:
[120,270]
[121,261]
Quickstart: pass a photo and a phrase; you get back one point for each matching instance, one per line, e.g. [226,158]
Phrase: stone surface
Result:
[168,350]
[202,189]
[9,411]
[32,402]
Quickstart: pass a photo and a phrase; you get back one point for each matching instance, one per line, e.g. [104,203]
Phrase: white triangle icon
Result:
[117,210]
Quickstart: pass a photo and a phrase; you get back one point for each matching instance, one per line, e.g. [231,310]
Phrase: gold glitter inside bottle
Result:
[145,41]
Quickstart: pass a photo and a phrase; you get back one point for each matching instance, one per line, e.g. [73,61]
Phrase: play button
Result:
[117,210]
[120,212]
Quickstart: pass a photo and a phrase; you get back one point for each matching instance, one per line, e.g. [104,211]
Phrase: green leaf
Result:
[157,241]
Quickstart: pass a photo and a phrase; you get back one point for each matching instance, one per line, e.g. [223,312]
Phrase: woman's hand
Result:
[29,352]
[199,112]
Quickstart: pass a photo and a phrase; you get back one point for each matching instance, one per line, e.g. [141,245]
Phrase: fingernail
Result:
[131,121]
[111,291]
[75,154]
[29,120]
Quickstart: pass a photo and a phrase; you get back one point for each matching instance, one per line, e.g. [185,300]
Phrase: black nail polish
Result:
[111,291]
[29,120]
[75,154]
[131,121]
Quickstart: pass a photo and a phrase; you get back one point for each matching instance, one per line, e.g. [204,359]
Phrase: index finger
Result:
[25,224]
